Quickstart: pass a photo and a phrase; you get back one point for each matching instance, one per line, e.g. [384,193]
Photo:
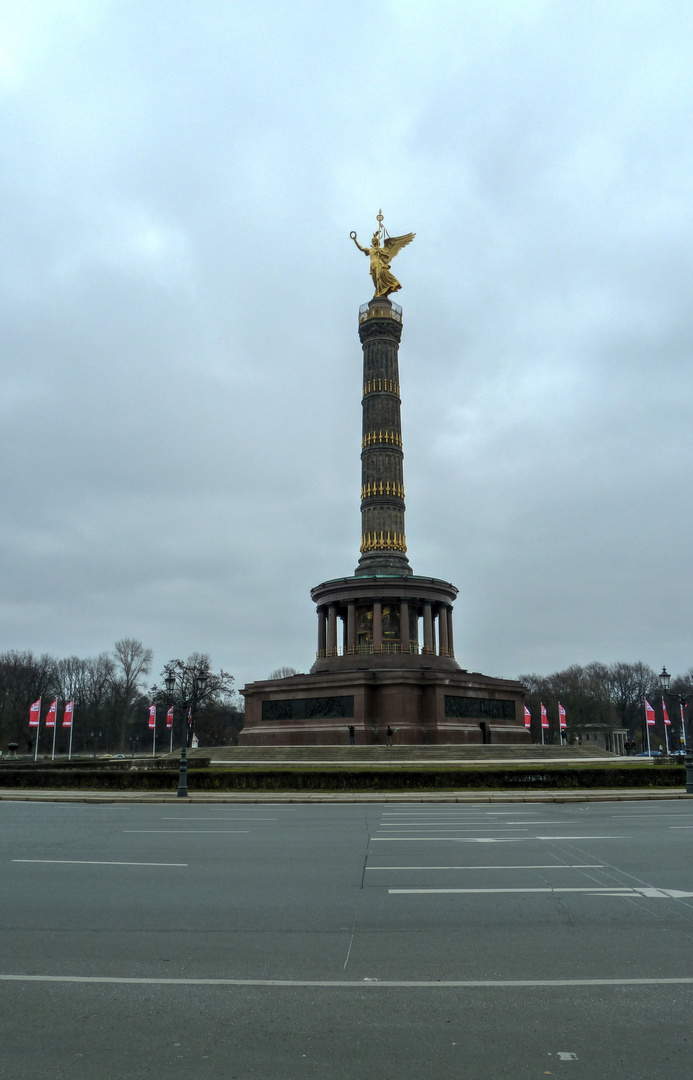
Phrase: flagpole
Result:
[55,728]
[38,731]
[72,724]
[154,737]
[647,729]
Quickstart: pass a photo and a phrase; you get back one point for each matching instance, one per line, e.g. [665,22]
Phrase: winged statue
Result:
[381,252]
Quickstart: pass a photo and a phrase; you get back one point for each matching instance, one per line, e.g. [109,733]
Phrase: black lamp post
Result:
[198,685]
[664,683]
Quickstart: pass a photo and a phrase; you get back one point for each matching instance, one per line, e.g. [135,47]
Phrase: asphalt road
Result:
[347,941]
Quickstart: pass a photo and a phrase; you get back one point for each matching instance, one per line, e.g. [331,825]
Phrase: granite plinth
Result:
[418,703]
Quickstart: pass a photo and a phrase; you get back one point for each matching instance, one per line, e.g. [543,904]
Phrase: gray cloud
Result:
[181,374]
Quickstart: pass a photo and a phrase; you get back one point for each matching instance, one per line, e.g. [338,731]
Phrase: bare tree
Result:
[89,684]
[209,709]
[132,663]
[630,684]
[24,677]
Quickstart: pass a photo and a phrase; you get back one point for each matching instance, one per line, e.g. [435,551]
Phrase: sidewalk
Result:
[213,798]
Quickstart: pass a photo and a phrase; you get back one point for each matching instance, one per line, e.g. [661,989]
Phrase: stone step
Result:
[398,754]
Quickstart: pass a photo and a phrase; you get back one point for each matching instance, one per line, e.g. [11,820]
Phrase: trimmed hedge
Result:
[364,779]
[104,764]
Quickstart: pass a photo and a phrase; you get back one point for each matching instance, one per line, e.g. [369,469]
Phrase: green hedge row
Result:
[96,764]
[340,779]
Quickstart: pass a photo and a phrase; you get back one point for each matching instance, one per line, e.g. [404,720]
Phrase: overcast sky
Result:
[181,370]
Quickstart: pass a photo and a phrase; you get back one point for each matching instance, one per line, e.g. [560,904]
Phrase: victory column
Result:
[385,655]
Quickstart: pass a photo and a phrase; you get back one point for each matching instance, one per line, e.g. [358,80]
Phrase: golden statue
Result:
[383,248]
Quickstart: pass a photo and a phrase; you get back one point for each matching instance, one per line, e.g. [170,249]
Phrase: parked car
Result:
[650,754]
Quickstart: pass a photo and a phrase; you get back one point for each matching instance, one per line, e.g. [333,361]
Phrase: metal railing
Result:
[366,648]
[386,311]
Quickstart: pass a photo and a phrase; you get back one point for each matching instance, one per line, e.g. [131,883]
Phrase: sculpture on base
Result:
[381,252]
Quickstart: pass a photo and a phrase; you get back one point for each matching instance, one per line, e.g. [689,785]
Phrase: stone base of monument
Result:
[386,654]
[421,706]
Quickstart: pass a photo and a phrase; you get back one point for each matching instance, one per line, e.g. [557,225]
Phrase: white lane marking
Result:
[614,890]
[99,862]
[444,819]
[337,984]
[459,828]
[566,1055]
[529,866]
[184,832]
[179,817]
[485,839]
[681,826]
[452,839]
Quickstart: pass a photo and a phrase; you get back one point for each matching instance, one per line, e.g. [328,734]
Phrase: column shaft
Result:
[428,628]
[351,626]
[383,542]
[404,625]
[443,630]
[331,630]
[377,626]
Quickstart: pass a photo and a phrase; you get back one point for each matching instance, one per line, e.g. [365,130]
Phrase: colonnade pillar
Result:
[322,632]
[443,630]
[436,639]
[428,628]
[351,627]
[331,630]
[377,626]
[404,625]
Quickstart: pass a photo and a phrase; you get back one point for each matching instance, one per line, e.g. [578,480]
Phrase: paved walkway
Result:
[408,763]
[211,798]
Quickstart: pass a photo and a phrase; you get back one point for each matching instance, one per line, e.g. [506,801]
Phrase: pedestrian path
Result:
[594,795]
[472,754]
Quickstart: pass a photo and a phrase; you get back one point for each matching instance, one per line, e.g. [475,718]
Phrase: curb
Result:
[201,798]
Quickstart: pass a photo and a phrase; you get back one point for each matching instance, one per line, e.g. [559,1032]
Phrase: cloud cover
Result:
[181,370]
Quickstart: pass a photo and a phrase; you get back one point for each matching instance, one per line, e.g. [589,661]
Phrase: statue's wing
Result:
[394,244]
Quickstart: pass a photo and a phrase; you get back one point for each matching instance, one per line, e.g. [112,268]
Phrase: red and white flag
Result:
[52,714]
[190,716]
[544,717]
[152,716]
[35,714]
[683,708]
[665,714]
[561,716]
[528,718]
[169,718]
[68,714]
[649,714]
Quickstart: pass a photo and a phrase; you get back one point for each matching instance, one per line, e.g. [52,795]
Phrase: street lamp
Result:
[664,682]
[189,699]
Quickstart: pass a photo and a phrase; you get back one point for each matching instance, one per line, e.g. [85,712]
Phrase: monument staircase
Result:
[478,754]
